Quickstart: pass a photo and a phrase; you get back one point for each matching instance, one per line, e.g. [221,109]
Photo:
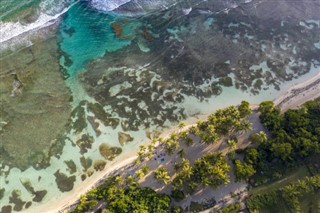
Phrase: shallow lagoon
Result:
[102,78]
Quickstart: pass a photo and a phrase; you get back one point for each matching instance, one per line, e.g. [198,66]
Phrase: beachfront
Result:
[306,91]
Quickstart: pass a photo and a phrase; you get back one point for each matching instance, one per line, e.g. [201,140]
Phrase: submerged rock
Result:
[64,182]
[6,209]
[28,204]
[71,166]
[90,172]
[95,125]
[16,85]
[39,195]
[28,186]
[79,114]
[86,163]
[83,177]
[56,146]
[85,143]
[16,200]
[2,190]
[99,165]
[102,115]
[108,152]
[124,138]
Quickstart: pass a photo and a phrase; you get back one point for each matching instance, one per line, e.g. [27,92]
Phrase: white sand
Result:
[70,199]
[300,93]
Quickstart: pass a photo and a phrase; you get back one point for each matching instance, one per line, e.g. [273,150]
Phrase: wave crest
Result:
[108,5]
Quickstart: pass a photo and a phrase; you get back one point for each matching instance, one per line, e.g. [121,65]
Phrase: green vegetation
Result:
[161,175]
[284,161]
[243,170]
[235,208]
[210,170]
[290,177]
[244,109]
[295,140]
[285,199]
[123,198]
[277,168]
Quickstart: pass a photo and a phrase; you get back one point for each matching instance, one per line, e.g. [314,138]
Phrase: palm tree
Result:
[232,143]
[178,181]
[182,125]
[258,138]
[145,169]
[185,162]
[202,125]
[263,136]
[174,136]
[151,147]
[118,180]
[212,119]
[171,146]
[247,126]
[211,128]
[141,154]
[194,130]
[204,137]
[137,162]
[139,173]
[142,148]
[183,135]
[192,185]
[161,140]
[162,175]
[130,180]
[212,137]
[303,186]
[149,154]
[154,141]
[186,168]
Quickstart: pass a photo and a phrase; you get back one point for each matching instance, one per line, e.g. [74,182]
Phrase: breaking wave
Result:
[48,16]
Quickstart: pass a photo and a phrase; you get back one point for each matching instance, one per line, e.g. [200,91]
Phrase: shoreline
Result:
[12,30]
[294,97]
[299,93]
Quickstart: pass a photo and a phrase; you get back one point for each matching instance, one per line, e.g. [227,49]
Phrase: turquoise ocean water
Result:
[85,35]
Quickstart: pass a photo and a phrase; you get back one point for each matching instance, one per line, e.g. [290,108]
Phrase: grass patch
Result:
[298,173]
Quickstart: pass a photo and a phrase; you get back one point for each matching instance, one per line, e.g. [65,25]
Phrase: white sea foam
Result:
[53,7]
[108,5]
[187,11]
[136,6]
[10,30]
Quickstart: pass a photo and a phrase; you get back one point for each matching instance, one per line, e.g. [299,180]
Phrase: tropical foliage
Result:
[123,199]
[294,138]
[288,195]
[210,170]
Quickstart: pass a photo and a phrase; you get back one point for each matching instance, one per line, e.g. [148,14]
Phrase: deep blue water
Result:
[85,35]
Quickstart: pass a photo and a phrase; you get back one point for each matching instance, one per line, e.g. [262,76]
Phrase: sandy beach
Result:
[295,96]
[300,93]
